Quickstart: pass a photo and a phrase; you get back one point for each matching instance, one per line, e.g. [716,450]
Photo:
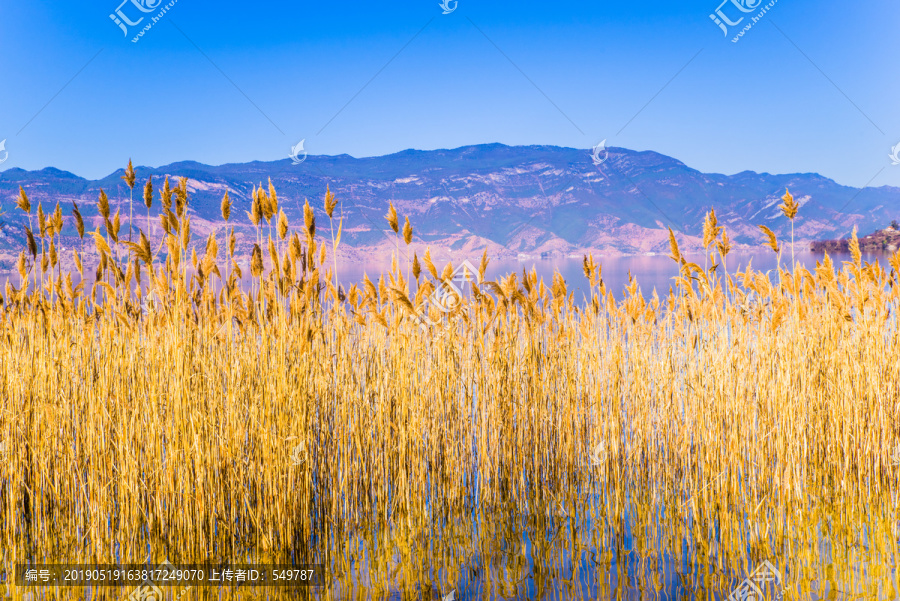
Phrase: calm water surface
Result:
[651,272]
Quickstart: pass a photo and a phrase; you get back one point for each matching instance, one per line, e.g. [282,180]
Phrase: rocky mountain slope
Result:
[511,200]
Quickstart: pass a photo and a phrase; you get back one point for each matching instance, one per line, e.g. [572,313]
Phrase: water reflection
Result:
[626,545]
[650,271]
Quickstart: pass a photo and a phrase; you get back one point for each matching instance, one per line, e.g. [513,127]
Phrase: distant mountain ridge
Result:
[508,199]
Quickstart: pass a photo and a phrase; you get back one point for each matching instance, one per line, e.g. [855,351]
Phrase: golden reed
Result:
[165,409]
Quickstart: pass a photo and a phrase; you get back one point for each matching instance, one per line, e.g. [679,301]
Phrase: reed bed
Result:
[526,444]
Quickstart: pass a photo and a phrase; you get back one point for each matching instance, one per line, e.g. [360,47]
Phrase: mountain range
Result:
[510,200]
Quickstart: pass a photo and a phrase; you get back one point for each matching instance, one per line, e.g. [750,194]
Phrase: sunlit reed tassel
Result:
[129,178]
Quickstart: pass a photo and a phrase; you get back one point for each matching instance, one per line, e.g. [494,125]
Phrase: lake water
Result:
[650,271]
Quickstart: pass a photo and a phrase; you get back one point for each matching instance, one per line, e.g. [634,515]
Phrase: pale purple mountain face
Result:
[508,200]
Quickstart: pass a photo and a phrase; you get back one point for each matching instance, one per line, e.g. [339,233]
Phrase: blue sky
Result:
[811,87]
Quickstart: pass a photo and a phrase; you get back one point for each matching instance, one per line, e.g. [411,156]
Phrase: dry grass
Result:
[740,418]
